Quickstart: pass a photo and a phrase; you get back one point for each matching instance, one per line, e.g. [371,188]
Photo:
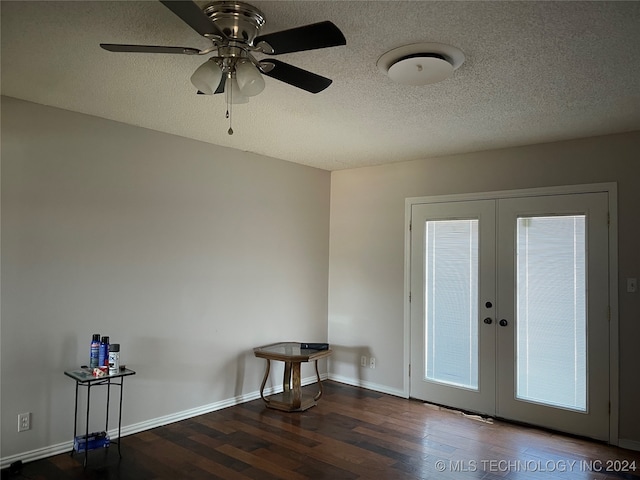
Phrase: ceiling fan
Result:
[233,27]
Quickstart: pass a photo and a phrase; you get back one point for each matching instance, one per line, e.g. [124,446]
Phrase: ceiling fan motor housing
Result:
[239,21]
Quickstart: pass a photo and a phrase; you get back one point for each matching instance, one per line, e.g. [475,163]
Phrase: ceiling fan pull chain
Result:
[229,110]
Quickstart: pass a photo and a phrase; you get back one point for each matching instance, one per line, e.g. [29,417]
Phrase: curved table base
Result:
[291,399]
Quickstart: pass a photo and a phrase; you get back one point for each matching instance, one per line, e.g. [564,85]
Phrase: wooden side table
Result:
[291,399]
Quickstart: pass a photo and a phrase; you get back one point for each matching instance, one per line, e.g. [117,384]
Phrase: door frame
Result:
[611,188]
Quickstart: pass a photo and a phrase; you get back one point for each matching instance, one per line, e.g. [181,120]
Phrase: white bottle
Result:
[114,358]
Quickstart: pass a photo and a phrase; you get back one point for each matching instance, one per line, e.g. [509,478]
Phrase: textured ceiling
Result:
[534,72]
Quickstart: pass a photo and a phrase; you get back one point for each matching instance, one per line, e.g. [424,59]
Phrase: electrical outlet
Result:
[363,361]
[24,422]
[372,362]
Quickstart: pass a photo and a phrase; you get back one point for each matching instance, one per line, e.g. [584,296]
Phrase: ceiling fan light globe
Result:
[250,81]
[207,77]
[233,94]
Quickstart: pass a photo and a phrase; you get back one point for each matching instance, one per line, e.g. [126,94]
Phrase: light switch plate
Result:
[632,285]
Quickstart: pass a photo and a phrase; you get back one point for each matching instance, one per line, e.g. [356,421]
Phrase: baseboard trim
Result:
[629,444]
[358,382]
[37,454]
[66,447]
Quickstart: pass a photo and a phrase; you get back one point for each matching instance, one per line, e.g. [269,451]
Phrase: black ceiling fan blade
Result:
[192,15]
[308,37]
[295,76]
[220,88]
[114,47]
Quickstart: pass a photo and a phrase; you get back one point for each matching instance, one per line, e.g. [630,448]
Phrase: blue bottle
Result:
[103,355]
[95,351]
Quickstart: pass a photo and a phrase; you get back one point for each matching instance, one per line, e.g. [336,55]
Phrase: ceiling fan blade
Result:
[295,76]
[308,37]
[220,88]
[113,47]
[192,15]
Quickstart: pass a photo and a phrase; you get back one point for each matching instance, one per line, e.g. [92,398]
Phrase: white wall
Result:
[187,254]
[190,255]
[366,274]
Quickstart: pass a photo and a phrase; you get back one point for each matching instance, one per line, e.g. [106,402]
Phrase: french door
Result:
[509,309]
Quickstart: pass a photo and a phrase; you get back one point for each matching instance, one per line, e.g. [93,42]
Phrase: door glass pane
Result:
[551,311]
[451,302]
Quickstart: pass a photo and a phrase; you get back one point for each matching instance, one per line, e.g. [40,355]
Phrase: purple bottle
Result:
[95,351]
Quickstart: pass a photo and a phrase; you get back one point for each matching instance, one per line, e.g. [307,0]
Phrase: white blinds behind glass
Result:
[551,311]
[451,302]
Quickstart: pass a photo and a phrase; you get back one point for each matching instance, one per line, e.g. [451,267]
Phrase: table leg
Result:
[120,416]
[286,381]
[296,387]
[75,420]
[319,394]
[86,432]
[106,426]
[264,381]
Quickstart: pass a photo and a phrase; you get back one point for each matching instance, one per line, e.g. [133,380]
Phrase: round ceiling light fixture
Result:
[421,63]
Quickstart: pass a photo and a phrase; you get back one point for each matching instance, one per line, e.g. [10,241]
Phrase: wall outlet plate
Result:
[372,362]
[24,422]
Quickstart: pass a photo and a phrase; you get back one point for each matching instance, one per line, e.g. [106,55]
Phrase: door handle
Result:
[503,323]
[487,321]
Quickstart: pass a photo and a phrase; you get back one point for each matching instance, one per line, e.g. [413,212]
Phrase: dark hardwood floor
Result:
[351,434]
